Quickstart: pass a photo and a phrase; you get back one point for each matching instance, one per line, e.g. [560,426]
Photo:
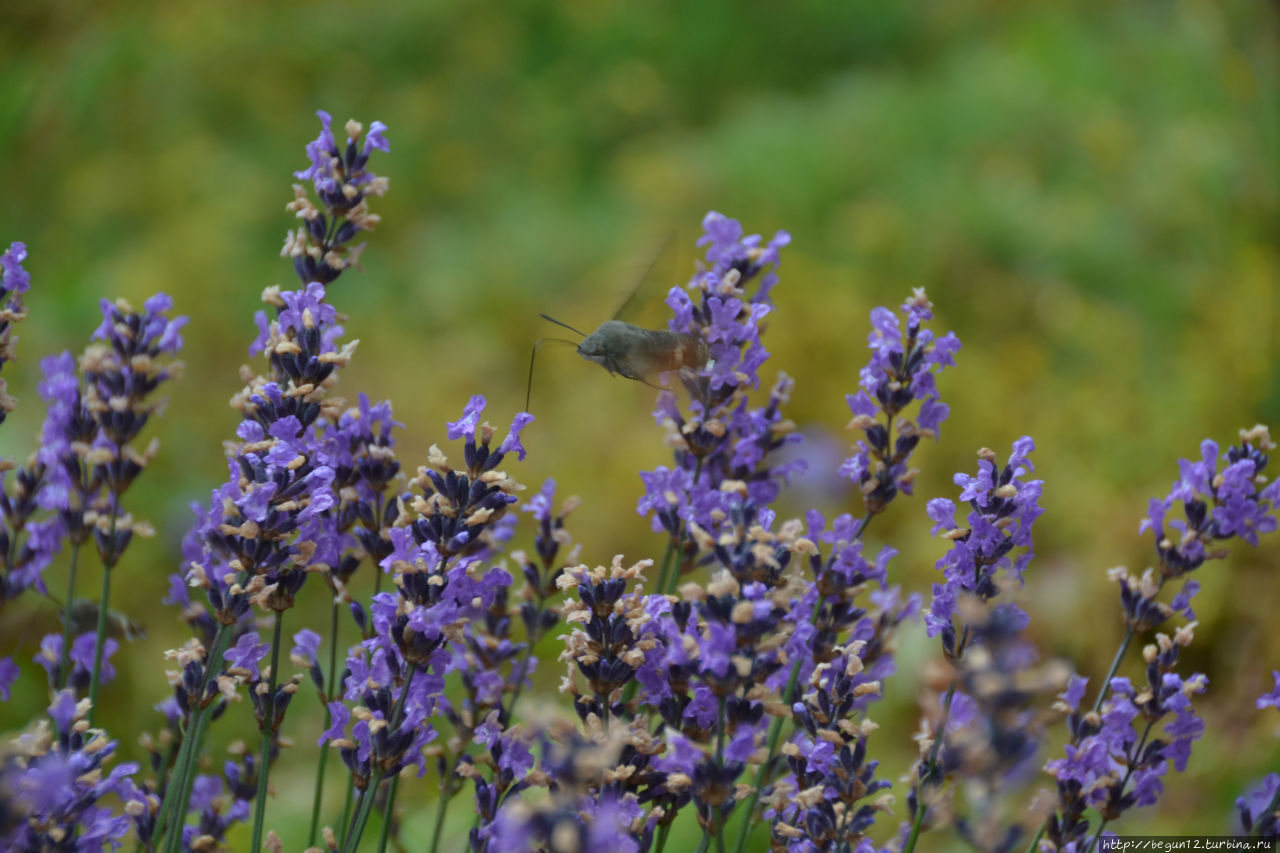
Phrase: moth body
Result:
[641,354]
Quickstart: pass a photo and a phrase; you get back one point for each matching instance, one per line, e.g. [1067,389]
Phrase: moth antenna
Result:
[558,323]
[528,388]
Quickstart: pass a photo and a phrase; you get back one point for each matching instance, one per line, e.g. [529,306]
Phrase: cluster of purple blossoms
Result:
[27,544]
[1109,765]
[87,442]
[993,548]
[56,782]
[585,808]
[994,724]
[825,803]
[14,281]
[421,632]
[343,183]
[902,371]
[302,474]
[1217,506]
[827,622]
[722,438]
[768,656]
[57,789]
[987,727]
[493,684]
[1260,808]
[712,664]
[1117,759]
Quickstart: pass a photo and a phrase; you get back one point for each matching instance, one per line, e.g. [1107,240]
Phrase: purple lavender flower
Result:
[246,654]
[1260,808]
[27,546]
[81,660]
[448,614]
[1116,761]
[584,810]
[994,547]
[14,281]
[343,183]
[820,804]
[59,781]
[1272,699]
[902,370]
[721,438]
[8,674]
[1217,505]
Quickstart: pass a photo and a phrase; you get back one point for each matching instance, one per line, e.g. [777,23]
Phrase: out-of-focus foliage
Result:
[1088,191]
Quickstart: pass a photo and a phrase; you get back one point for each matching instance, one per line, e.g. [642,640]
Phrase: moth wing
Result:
[639,295]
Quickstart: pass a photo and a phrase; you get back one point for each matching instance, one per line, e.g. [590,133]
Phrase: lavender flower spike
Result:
[343,183]
[995,544]
[901,371]
[1260,808]
[14,281]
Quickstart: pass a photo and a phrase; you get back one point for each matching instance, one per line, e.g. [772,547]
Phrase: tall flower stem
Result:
[388,814]
[662,837]
[64,667]
[95,676]
[921,806]
[352,841]
[109,559]
[721,819]
[268,735]
[347,804]
[666,562]
[174,809]
[328,720]
[182,783]
[442,806]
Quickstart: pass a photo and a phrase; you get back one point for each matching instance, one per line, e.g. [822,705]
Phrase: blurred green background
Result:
[1088,191]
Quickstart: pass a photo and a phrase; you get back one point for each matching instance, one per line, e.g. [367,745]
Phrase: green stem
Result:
[109,560]
[666,564]
[1115,665]
[268,735]
[95,676]
[721,819]
[518,677]
[64,665]
[352,840]
[165,772]
[442,805]
[361,816]
[328,720]
[662,837]
[346,807]
[192,741]
[921,807]
[178,813]
[388,814]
